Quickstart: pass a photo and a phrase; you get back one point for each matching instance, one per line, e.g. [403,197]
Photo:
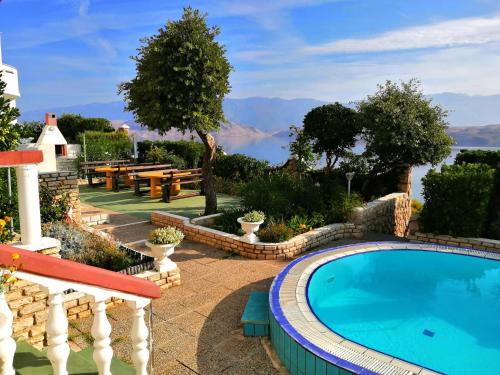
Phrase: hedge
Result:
[492,158]
[190,151]
[106,146]
[239,167]
[457,199]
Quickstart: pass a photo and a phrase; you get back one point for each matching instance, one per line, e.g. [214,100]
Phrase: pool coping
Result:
[289,305]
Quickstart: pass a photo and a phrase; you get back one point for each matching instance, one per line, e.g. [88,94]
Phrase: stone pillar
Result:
[404,181]
[29,204]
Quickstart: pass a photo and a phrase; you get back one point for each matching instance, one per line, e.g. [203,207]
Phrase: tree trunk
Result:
[328,167]
[208,178]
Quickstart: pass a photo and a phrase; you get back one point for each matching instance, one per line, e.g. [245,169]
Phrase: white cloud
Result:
[470,70]
[459,32]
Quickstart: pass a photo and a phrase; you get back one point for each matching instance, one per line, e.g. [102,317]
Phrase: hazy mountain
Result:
[484,136]
[275,114]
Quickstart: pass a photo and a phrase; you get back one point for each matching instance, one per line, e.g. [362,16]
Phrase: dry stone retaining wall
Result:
[258,250]
[389,214]
[476,243]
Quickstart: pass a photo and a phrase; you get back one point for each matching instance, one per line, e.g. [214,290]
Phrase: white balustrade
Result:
[139,336]
[57,327]
[101,329]
[57,330]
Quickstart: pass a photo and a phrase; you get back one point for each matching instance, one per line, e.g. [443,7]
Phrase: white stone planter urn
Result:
[250,228]
[161,254]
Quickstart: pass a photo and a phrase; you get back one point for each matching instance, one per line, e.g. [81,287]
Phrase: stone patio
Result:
[196,326]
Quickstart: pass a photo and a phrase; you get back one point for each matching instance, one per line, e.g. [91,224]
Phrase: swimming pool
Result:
[389,308]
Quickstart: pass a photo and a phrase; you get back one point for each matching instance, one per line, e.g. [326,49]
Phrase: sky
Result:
[72,52]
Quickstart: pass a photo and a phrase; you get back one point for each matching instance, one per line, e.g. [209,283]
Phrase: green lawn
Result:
[125,201]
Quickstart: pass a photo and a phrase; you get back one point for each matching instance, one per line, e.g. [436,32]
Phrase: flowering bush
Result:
[5,233]
[7,277]
[165,236]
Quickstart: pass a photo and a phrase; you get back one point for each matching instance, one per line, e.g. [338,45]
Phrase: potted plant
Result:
[250,223]
[162,242]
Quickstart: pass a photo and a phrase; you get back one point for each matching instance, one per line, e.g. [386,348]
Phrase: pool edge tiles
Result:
[305,345]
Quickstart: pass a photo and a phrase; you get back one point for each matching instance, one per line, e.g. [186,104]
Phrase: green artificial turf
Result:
[31,361]
[126,202]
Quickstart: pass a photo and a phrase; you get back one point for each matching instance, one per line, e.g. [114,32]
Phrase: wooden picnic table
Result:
[156,177]
[113,171]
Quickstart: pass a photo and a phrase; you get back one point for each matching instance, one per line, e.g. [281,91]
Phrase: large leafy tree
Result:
[402,128]
[9,130]
[332,129]
[182,78]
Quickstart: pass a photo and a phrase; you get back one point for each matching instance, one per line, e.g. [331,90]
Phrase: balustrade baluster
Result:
[57,331]
[101,330]
[139,336]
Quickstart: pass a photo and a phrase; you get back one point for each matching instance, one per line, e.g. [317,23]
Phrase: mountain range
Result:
[251,119]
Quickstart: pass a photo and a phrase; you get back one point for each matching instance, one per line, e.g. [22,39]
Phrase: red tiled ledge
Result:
[43,265]
[13,158]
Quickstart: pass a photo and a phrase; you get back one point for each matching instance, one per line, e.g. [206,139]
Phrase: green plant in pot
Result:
[250,223]
[162,242]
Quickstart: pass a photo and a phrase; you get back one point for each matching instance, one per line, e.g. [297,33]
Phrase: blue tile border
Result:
[289,330]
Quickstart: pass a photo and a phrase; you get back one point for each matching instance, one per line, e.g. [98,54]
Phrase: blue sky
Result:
[77,51]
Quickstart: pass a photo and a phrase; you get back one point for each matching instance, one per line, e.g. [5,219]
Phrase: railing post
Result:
[57,331]
[7,343]
[139,336]
[101,330]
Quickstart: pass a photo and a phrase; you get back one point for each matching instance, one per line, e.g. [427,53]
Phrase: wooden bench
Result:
[89,167]
[178,178]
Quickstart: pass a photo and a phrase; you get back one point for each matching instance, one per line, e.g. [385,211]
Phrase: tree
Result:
[31,129]
[402,128]
[9,130]
[71,125]
[332,129]
[301,147]
[182,76]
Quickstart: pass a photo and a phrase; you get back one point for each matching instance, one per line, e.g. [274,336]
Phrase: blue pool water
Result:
[437,310]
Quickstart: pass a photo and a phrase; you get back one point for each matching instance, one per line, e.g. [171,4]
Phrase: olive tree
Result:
[332,129]
[402,128]
[182,76]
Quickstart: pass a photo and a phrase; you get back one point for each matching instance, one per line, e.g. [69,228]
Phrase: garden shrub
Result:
[341,208]
[227,222]
[280,196]
[53,207]
[230,187]
[106,146]
[159,155]
[238,167]
[490,157]
[71,126]
[275,232]
[192,152]
[88,248]
[300,224]
[457,199]
[416,206]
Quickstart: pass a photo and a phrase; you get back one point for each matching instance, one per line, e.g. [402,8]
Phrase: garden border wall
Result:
[259,250]
[476,243]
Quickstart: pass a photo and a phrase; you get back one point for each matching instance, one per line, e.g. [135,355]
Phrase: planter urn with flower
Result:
[162,242]
[250,223]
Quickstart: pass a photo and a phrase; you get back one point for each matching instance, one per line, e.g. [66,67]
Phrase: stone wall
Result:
[64,183]
[258,250]
[475,243]
[29,304]
[389,214]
